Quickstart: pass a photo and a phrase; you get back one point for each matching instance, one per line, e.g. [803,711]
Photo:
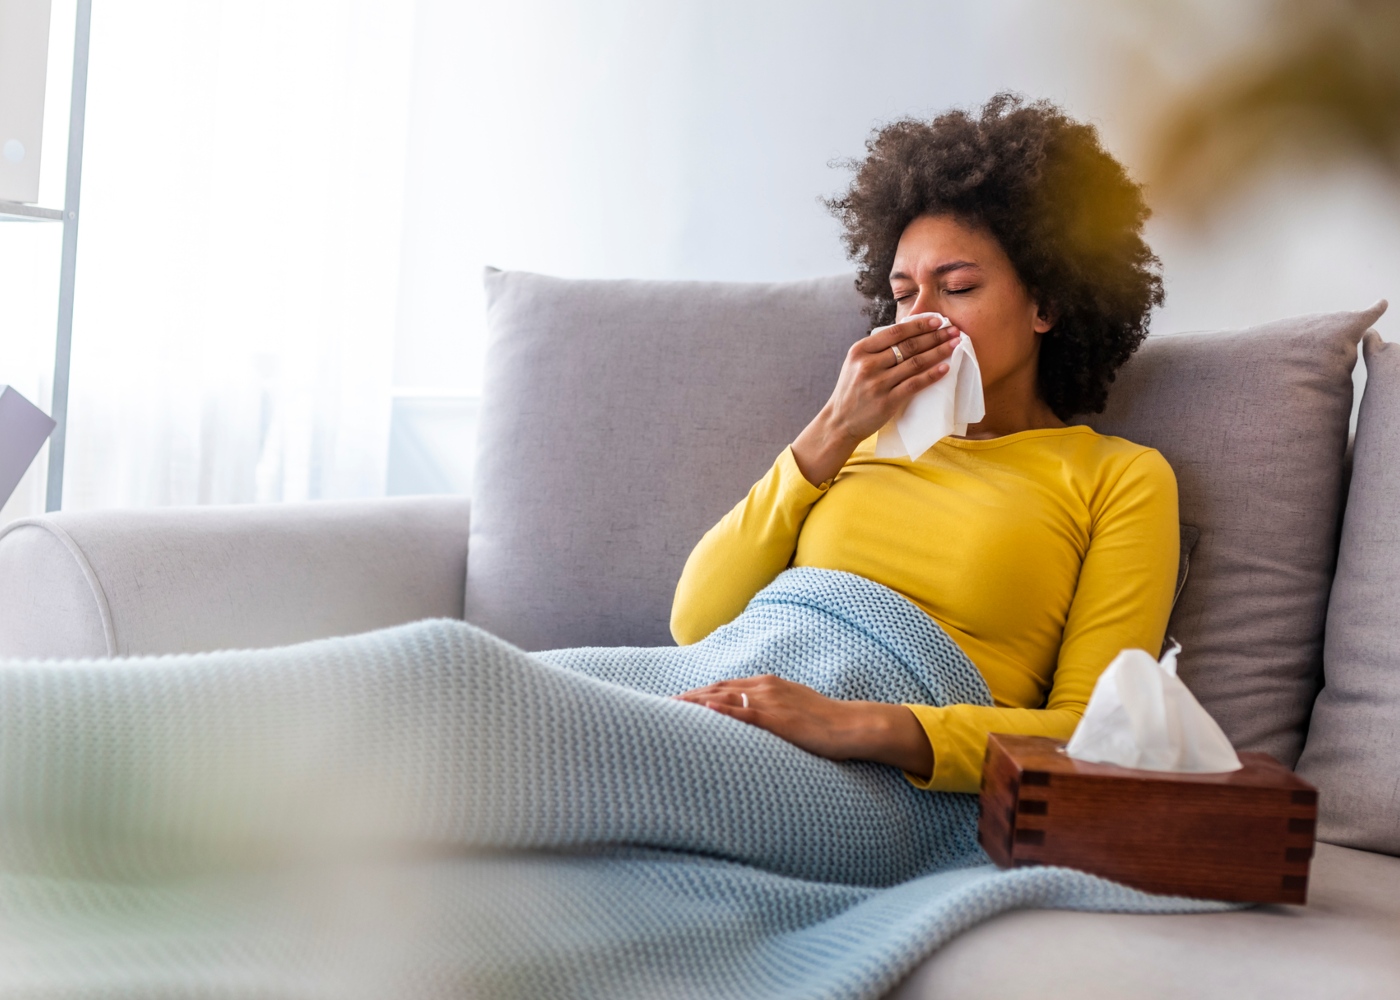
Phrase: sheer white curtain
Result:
[239,252]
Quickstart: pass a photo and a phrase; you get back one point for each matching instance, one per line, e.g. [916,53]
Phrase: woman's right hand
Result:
[873,386]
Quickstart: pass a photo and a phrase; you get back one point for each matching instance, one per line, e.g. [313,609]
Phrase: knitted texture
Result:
[427,811]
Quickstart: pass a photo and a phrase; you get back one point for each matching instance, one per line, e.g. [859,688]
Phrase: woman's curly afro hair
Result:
[1063,209]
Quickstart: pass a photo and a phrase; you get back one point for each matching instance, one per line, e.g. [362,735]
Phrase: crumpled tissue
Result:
[1141,715]
[944,408]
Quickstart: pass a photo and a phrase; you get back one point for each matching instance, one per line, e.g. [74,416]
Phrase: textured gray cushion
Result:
[1255,424]
[620,420]
[186,579]
[1353,750]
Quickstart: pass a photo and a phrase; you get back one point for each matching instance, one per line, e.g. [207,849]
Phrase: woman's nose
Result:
[924,302]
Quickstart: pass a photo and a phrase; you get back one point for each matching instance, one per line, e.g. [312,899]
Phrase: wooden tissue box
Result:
[1244,836]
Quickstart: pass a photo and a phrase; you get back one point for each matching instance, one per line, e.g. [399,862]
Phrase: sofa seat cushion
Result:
[1353,749]
[1255,424]
[1342,945]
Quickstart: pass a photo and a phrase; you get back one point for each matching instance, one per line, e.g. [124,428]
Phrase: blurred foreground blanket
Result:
[427,811]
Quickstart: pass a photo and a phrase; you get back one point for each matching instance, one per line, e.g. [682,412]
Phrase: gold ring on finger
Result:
[898,355]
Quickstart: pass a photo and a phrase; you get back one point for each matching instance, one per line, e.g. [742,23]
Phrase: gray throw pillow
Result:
[1255,424]
[1189,537]
[1353,749]
[620,420]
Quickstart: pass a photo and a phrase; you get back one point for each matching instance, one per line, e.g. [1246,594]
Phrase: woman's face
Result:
[945,266]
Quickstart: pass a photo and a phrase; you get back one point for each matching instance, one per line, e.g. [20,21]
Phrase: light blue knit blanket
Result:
[427,811]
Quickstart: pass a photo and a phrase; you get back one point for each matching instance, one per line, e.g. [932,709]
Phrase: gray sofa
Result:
[621,419]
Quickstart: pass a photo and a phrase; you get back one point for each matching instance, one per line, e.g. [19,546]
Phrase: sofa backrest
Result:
[622,419]
[1353,748]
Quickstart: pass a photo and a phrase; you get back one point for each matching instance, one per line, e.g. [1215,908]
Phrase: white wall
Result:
[691,139]
[610,138]
[680,140]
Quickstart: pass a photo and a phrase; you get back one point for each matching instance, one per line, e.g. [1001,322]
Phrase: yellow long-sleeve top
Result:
[1042,554]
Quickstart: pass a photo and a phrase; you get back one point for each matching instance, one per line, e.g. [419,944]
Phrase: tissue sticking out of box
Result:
[944,408]
[1141,715]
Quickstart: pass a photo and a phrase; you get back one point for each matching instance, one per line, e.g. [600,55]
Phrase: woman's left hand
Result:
[827,727]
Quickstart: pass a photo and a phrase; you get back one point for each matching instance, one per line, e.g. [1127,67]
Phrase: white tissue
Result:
[1141,715]
[944,408]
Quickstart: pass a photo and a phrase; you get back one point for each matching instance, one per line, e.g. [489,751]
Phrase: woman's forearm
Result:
[822,448]
[894,736]
[828,727]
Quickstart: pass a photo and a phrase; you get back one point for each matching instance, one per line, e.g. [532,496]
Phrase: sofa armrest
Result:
[186,579]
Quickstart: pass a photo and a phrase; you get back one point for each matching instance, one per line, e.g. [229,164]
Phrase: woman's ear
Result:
[1045,319]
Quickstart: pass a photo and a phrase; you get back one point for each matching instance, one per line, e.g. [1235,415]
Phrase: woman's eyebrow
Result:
[941,269]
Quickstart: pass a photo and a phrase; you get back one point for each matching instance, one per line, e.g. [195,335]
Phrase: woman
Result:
[1042,548]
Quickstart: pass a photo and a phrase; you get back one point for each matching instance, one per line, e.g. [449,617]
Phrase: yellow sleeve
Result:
[742,554]
[1122,601]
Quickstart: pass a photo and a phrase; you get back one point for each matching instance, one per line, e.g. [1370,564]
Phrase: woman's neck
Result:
[1013,404]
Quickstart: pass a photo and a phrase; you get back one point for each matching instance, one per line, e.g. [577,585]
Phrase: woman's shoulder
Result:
[1122,476]
[1107,465]
[1083,446]
[1112,449]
